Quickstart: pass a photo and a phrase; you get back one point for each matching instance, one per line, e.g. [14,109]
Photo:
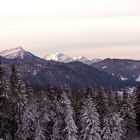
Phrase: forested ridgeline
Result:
[57,114]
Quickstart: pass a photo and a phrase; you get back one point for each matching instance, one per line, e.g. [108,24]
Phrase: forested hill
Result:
[56,114]
[40,72]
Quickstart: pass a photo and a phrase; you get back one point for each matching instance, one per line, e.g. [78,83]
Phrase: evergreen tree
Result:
[111,100]
[32,128]
[117,102]
[137,105]
[59,123]
[89,120]
[44,113]
[19,100]
[51,105]
[128,115]
[5,105]
[112,129]
[70,128]
[101,104]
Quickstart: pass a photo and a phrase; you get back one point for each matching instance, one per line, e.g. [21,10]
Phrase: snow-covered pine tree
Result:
[44,113]
[30,124]
[5,104]
[137,105]
[58,119]
[18,91]
[117,102]
[89,120]
[111,100]
[112,127]
[70,128]
[101,104]
[128,115]
[51,104]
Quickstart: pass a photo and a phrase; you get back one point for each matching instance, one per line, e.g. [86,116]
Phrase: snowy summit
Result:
[15,53]
[60,57]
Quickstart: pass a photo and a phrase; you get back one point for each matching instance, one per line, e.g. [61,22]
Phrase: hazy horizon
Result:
[95,29]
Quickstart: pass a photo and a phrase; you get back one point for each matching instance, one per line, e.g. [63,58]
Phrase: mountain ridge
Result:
[60,57]
[37,71]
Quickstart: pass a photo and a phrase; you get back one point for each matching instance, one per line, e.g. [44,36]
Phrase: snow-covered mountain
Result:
[66,59]
[60,57]
[14,53]
[19,53]
[86,60]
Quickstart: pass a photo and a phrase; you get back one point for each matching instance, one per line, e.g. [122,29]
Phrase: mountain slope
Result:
[73,74]
[36,71]
[55,73]
[126,70]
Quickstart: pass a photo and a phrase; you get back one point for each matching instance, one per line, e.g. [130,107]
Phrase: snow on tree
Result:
[128,115]
[116,127]
[106,131]
[19,100]
[112,127]
[137,105]
[101,104]
[111,100]
[44,113]
[18,88]
[58,118]
[30,123]
[70,128]
[5,104]
[117,102]
[89,120]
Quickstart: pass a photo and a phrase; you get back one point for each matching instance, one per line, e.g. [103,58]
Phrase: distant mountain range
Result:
[20,53]
[60,57]
[58,69]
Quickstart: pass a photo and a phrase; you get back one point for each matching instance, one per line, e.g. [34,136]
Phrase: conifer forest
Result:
[60,113]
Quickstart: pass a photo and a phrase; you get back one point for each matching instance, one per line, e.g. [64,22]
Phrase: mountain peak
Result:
[59,57]
[15,53]
[19,48]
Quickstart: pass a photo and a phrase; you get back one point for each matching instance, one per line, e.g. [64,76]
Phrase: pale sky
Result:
[93,28]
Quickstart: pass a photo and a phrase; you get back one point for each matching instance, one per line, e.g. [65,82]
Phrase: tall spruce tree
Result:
[70,128]
[19,100]
[137,105]
[111,100]
[128,115]
[112,129]
[44,113]
[5,105]
[101,104]
[117,102]
[58,120]
[31,124]
[89,119]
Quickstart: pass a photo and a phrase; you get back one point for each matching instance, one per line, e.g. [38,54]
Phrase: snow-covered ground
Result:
[138,79]
[104,67]
[123,78]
